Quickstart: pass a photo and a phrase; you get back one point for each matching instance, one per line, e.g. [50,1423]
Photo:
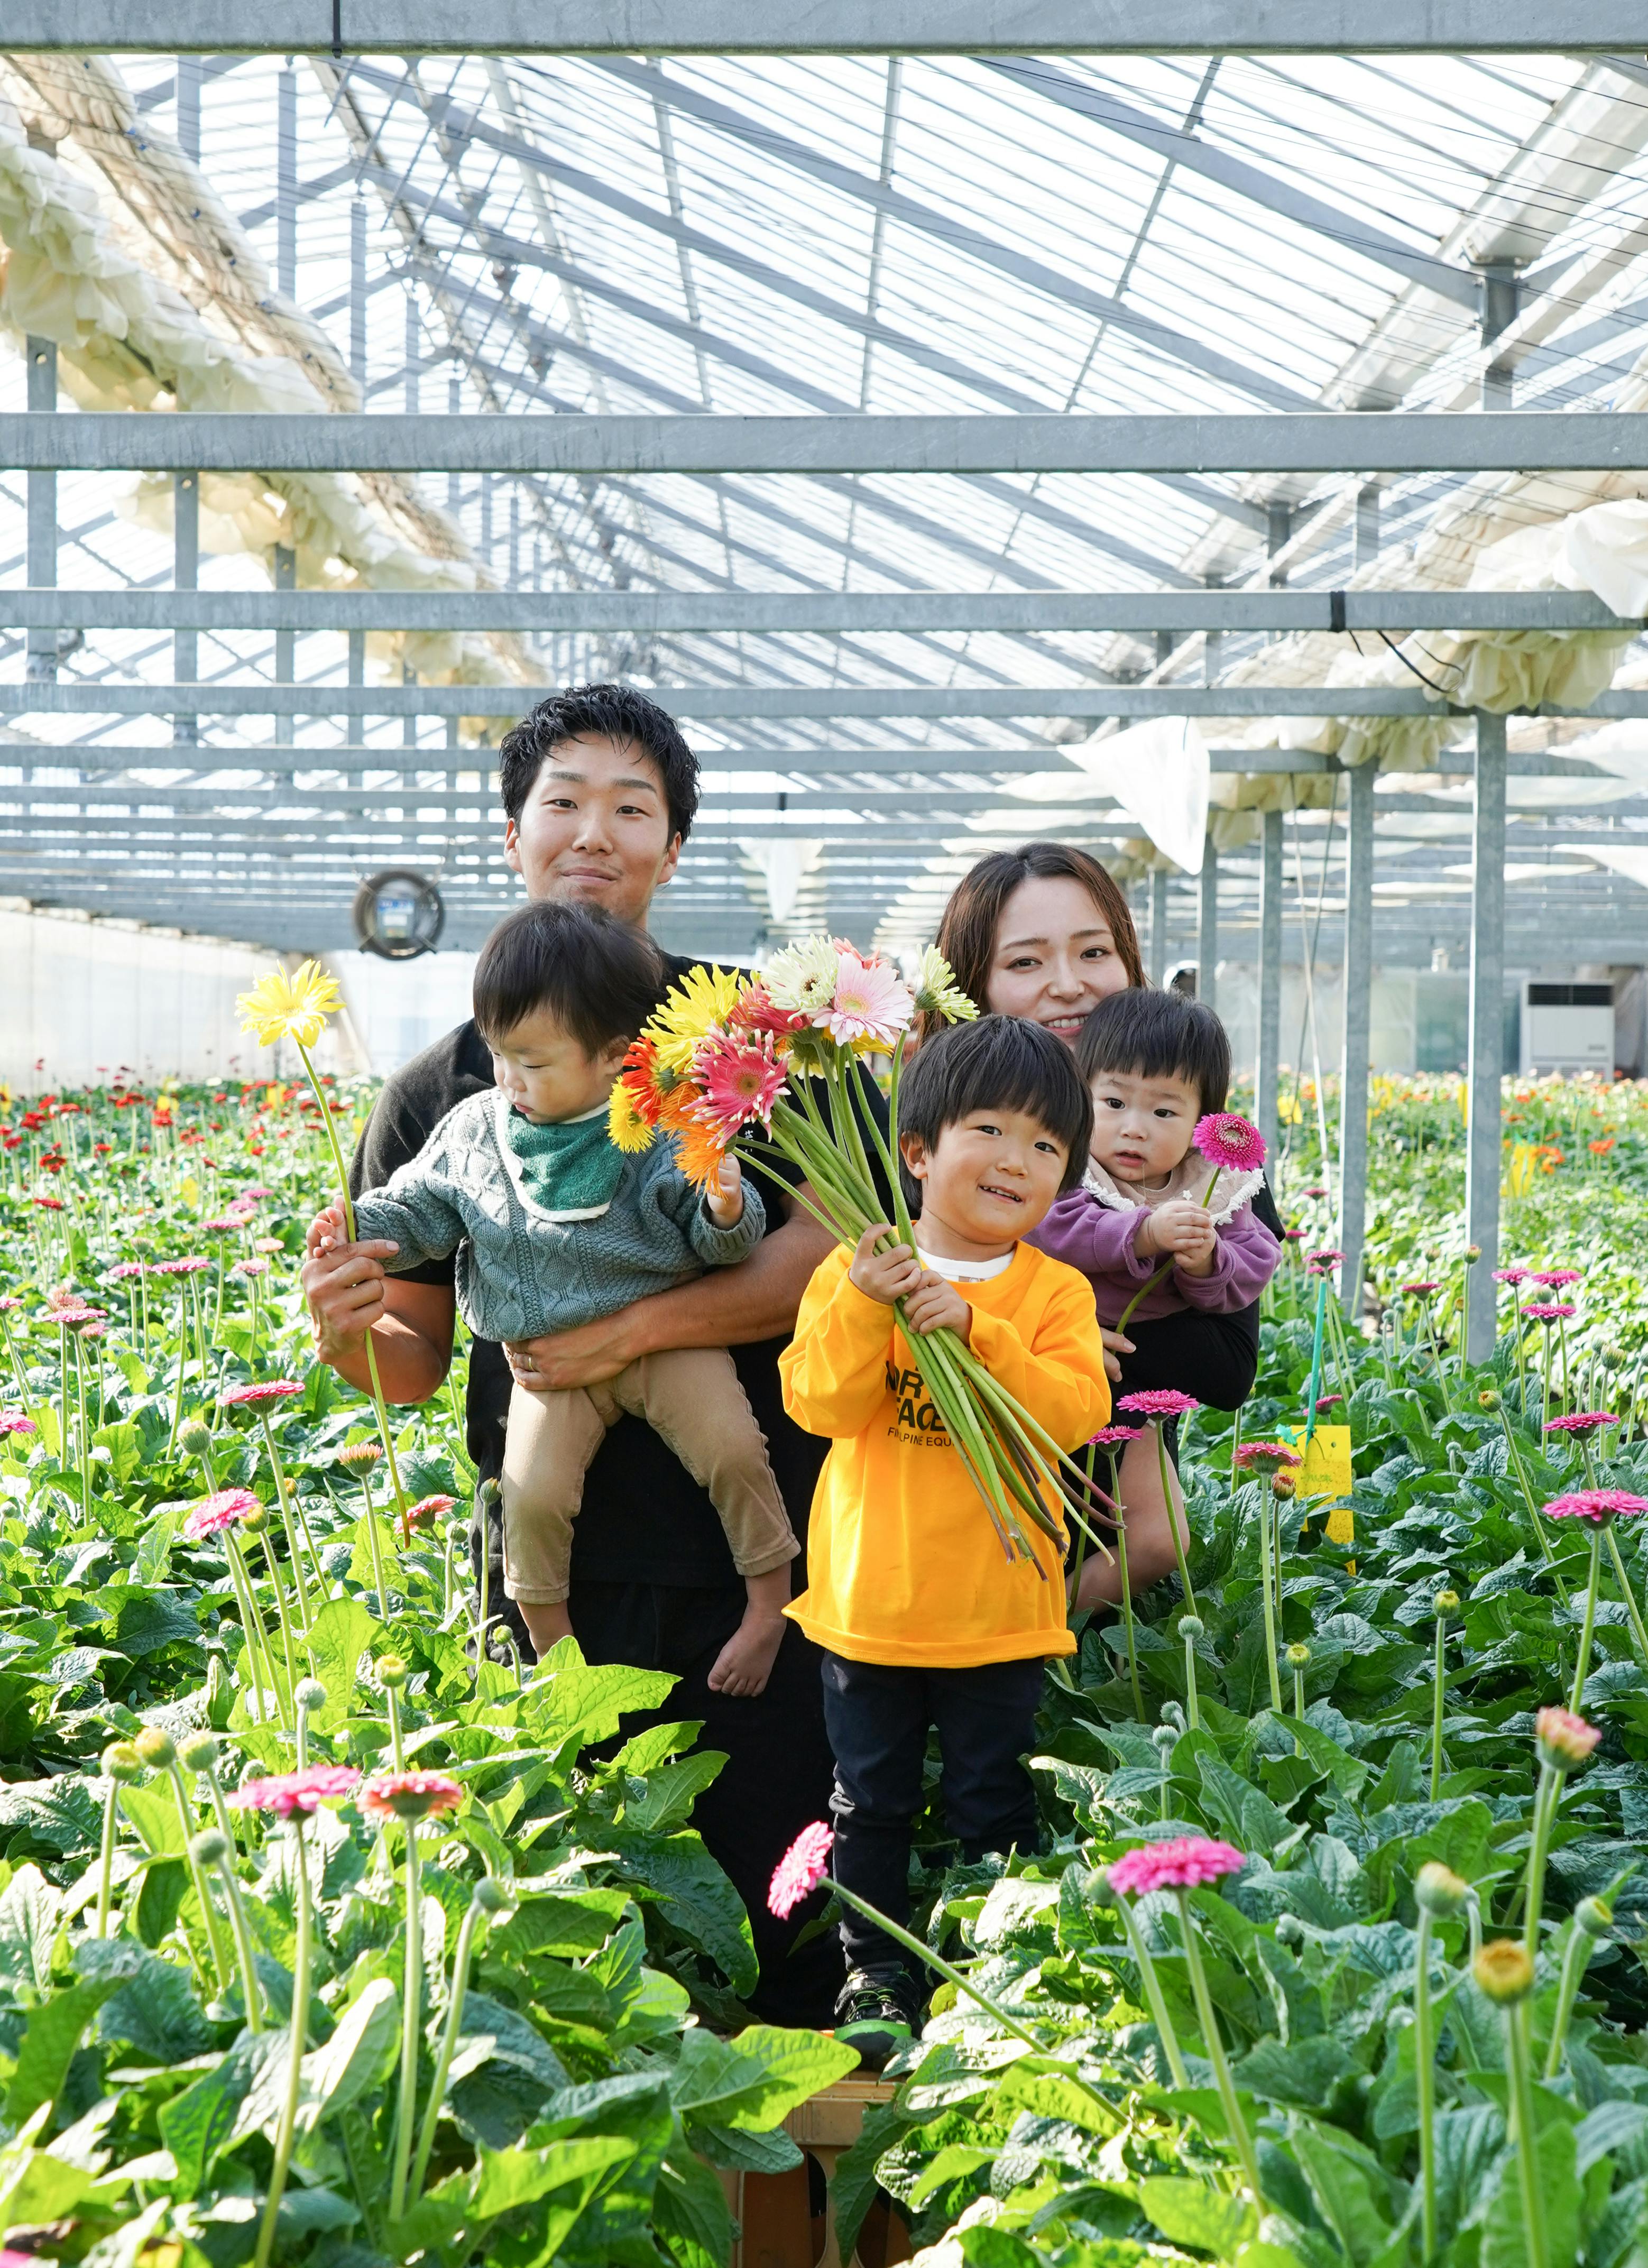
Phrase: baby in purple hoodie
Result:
[1155,1063]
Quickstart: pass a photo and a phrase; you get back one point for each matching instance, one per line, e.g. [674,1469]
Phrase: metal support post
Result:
[1353,1076]
[454,407]
[285,641]
[514,536]
[286,182]
[1367,524]
[408,723]
[414,351]
[42,510]
[1280,517]
[357,295]
[1267,1085]
[1499,291]
[188,83]
[1207,926]
[1485,1054]
[486,519]
[185,577]
[1157,970]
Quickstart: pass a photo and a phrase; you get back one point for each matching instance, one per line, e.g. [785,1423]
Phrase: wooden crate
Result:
[773,2210]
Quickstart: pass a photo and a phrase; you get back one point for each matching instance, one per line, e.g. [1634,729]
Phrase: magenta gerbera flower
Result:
[1160,1402]
[1183,1864]
[1315,1190]
[13,1421]
[126,1268]
[427,1510]
[1418,1290]
[297,1793]
[1110,1437]
[1266,1457]
[1510,1275]
[409,1795]
[1322,1263]
[1598,1506]
[180,1267]
[1581,1423]
[213,1514]
[261,1395]
[741,1080]
[1548,1311]
[1230,1143]
[800,1871]
[1557,1279]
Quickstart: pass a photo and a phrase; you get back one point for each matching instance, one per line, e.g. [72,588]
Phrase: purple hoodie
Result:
[1099,1239]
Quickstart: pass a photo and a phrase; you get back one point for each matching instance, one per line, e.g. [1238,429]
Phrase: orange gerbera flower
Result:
[699,1150]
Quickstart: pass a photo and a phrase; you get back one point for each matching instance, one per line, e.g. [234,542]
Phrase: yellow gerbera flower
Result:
[625,1129]
[703,999]
[290,1005]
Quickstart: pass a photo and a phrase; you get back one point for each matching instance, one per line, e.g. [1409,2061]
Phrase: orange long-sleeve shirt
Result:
[903,1564]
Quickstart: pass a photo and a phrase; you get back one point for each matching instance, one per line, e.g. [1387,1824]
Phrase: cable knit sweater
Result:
[523,1270]
[1095,1228]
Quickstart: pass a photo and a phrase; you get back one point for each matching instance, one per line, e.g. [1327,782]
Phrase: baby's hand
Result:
[936,1304]
[327,1229]
[1183,1231]
[884,1276]
[724,1197]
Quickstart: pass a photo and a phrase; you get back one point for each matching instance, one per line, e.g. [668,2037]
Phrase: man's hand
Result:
[343,1284]
[884,1276]
[936,1305]
[587,1356]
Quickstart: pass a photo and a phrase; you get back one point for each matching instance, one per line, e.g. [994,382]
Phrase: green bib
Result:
[570,1167]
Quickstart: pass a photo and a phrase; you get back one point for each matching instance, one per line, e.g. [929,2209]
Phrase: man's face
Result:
[596,828]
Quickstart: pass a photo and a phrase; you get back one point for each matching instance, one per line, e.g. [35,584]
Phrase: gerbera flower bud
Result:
[1439,1890]
[491,1896]
[309,1693]
[1565,1741]
[1283,1486]
[195,1438]
[1488,1399]
[156,1748]
[1504,1972]
[1446,1602]
[1191,1626]
[210,1847]
[122,1762]
[1164,1739]
[360,1456]
[1594,1916]
[1297,1654]
[198,1753]
[1289,1930]
[392,1672]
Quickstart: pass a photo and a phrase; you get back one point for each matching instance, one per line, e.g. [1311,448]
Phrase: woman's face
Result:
[1055,958]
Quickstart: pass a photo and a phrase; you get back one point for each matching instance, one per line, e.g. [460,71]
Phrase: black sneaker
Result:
[876,2014]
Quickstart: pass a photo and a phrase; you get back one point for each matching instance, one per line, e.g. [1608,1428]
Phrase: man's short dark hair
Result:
[1157,1036]
[601,712]
[999,1062]
[598,977]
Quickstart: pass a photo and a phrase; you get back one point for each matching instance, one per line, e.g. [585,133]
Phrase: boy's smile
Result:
[987,1181]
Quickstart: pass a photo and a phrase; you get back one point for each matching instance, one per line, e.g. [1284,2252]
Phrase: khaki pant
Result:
[693,1399]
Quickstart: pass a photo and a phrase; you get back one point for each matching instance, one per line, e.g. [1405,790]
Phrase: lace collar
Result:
[1189,1179]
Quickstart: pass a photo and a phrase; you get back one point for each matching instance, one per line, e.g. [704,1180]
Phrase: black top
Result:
[644,1519]
[1215,1357]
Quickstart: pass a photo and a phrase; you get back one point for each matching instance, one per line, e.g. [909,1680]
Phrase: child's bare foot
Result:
[744,1663]
[546,1625]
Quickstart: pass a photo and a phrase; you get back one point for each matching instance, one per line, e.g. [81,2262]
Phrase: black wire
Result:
[1417,672]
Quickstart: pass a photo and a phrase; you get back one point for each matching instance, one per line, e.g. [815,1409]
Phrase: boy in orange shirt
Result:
[922,1620]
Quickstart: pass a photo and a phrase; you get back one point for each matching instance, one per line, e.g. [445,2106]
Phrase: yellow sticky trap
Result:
[1325,1470]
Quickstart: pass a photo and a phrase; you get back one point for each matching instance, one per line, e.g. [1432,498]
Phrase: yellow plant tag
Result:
[1519,1173]
[1325,1470]
[189,1189]
[274,1096]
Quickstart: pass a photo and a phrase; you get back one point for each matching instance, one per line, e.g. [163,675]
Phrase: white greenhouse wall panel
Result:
[400,1006]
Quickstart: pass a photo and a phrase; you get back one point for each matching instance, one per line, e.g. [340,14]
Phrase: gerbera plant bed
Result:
[1331,1952]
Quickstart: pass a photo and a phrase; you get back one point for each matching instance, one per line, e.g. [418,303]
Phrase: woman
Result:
[1043,931]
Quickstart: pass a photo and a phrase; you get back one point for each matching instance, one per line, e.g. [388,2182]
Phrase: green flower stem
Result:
[1127,1590]
[378,1404]
[1173,1526]
[472,1921]
[1515,1456]
[1298,1692]
[1582,1667]
[106,1857]
[1546,1797]
[221,1961]
[1081,1542]
[1628,1595]
[1240,2134]
[411,2024]
[374,1547]
[251,1615]
[182,1356]
[1437,1695]
[1518,2062]
[299,2039]
[481,1630]
[284,1505]
[1576,1961]
[1424,2073]
[83,1437]
[395,1748]
[1193,1713]
[1154,1997]
[1264,1587]
[937,1962]
[280,1609]
[242,1935]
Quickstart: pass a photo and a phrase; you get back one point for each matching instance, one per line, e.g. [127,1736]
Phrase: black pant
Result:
[877,1717]
[776,1778]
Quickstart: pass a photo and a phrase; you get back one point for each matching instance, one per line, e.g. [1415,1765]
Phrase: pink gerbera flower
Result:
[180,1267]
[872,1002]
[261,1395]
[1160,1402]
[1557,1279]
[1599,1506]
[127,1268]
[758,1012]
[1110,1437]
[1510,1275]
[1183,1864]
[213,1514]
[427,1510]
[1548,1311]
[1564,1740]
[1326,1402]
[250,1268]
[1418,1290]
[1266,1457]
[741,1080]
[13,1421]
[410,1795]
[297,1793]
[800,1871]
[1232,1143]
[1322,1263]
[1581,1423]
[1315,1190]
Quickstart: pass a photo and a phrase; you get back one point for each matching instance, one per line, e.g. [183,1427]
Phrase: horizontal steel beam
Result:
[806,27]
[922,613]
[512,701]
[1298,441]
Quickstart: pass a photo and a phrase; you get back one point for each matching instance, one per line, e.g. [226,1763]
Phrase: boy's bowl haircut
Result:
[999,1062]
[1157,1036]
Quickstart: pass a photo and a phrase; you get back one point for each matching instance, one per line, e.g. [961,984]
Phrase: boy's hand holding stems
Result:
[932,1302]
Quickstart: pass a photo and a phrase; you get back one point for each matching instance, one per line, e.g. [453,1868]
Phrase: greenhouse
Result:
[823,1134]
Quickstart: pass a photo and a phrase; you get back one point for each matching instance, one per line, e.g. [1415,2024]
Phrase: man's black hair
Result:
[1157,1036]
[602,712]
[999,1062]
[598,977]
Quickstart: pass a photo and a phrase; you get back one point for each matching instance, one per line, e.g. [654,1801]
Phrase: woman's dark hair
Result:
[1000,1063]
[602,712]
[1157,1036]
[971,921]
[599,978]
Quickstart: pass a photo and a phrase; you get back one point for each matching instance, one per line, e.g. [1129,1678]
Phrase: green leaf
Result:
[1347,1773]
[561,1922]
[153,2008]
[984,2247]
[689,2211]
[357,2058]
[561,2179]
[1505,2228]
[1305,2072]
[153,1555]
[756,2079]
[1189,2212]
[664,1800]
[656,1746]
[1349,2187]
[1051,2094]
[693,1895]
[344,1630]
[195,2125]
[580,1703]
[51,2039]
[29,1908]
[153,1812]
[954,2163]
[164,1884]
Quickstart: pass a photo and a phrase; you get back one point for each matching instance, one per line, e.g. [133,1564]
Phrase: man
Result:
[600,789]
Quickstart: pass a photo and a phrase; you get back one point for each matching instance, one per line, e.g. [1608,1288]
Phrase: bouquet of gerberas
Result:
[772,1066]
